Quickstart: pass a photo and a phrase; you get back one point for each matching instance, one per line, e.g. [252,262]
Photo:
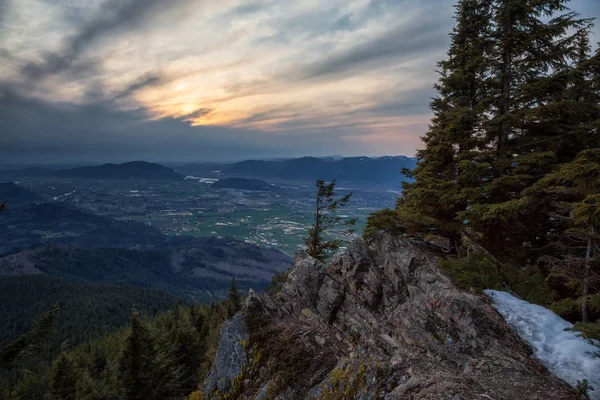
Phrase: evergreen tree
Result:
[188,350]
[32,343]
[235,302]
[574,190]
[537,44]
[447,174]
[63,385]
[325,220]
[139,361]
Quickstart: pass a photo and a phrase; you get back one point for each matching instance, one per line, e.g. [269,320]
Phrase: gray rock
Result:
[320,341]
[230,357]
[384,308]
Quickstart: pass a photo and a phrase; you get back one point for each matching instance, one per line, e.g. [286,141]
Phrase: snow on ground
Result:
[563,352]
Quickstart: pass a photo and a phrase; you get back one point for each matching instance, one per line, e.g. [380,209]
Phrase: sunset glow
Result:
[359,72]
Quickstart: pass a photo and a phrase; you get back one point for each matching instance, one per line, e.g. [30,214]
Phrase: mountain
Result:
[133,170]
[201,269]
[138,170]
[379,321]
[365,170]
[29,224]
[15,194]
[243,184]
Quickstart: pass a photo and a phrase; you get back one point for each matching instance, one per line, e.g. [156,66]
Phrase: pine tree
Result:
[235,302]
[446,176]
[140,362]
[530,128]
[326,220]
[63,385]
[31,344]
[574,191]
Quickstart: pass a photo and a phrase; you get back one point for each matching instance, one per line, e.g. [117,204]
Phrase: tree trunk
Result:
[316,238]
[586,277]
[506,80]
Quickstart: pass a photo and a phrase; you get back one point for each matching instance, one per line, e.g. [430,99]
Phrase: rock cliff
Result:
[380,321]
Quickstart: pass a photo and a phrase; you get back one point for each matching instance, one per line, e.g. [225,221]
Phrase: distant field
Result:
[192,208]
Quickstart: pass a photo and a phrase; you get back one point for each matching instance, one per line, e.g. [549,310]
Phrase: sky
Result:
[215,80]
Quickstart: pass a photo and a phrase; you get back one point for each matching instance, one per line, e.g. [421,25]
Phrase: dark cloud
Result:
[199,113]
[402,103]
[404,43]
[113,16]
[244,9]
[147,80]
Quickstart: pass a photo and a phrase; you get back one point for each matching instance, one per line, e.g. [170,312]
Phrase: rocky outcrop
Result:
[379,321]
[230,357]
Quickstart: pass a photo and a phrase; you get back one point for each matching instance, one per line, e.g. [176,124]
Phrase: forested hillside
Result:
[509,177]
[200,271]
[156,357]
[86,310]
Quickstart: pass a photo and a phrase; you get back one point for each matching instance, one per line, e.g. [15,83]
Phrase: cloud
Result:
[112,16]
[200,78]
[403,43]
[147,80]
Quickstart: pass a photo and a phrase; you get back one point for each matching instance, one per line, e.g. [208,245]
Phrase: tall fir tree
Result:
[235,301]
[517,112]
[63,384]
[537,45]
[447,173]
[574,193]
[147,366]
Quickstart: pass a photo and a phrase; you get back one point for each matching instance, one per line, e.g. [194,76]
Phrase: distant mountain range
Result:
[360,170]
[366,170]
[136,170]
[244,184]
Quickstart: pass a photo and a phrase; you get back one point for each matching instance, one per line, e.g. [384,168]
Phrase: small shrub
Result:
[531,285]
[589,330]
[566,308]
[277,281]
[197,395]
[582,390]
[474,271]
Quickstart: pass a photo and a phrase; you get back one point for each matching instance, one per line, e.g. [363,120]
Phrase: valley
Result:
[195,208]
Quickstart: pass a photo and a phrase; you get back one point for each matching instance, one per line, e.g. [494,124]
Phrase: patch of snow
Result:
[563,352]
